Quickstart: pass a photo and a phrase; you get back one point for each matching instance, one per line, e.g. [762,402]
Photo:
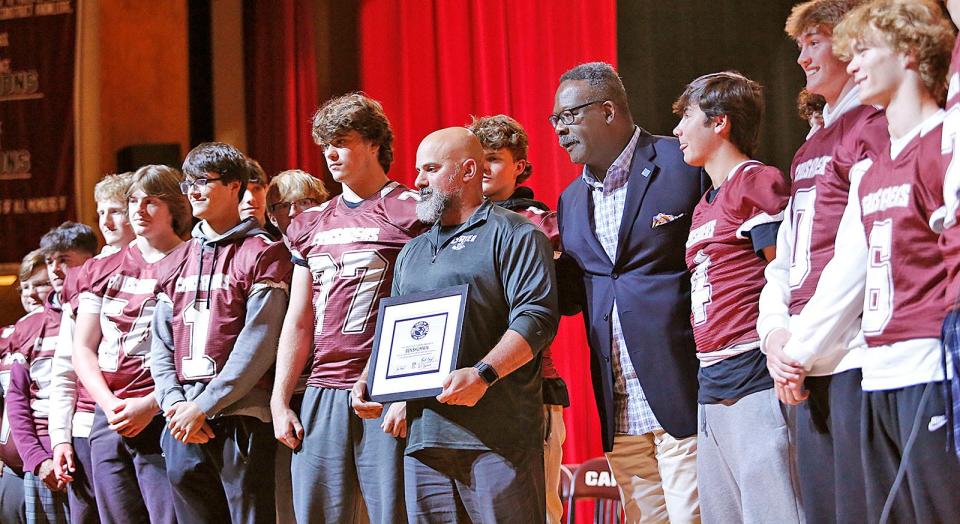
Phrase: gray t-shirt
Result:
[508,264]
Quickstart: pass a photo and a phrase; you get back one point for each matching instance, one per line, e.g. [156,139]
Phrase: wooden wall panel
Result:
[143,76]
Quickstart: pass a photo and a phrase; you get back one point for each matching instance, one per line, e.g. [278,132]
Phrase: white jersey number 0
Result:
[802,208]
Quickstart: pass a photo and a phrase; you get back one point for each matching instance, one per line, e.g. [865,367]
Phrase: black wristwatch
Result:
[487,373]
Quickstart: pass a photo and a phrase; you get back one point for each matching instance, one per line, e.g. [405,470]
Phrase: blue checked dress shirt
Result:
[633,413]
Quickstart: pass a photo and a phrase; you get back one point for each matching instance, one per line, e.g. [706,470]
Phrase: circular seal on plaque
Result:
[419,330]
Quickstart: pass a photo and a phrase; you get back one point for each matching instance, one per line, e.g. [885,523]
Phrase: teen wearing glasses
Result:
[215,333]
[290,193]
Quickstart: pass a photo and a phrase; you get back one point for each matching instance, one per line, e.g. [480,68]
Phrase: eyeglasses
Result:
[567,116]
[300,205]
[201,182]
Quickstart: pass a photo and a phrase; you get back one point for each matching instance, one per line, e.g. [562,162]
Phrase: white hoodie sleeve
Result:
[837,301]
[951,180]
[775,296]
[63,384]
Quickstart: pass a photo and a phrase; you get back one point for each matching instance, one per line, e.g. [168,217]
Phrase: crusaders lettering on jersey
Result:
[701,233]
[811,168]
[207,282]
[346,235]
[350,252]
[886,198]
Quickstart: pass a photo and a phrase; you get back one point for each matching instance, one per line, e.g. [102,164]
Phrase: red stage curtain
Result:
[281,72]
[433,63]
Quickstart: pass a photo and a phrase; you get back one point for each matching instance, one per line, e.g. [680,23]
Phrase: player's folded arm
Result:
[167,388]
[254,351]
[775,296]
[20,416]
[838,298]
[63,385]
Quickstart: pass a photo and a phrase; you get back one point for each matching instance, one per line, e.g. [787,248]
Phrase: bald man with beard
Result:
[475,451]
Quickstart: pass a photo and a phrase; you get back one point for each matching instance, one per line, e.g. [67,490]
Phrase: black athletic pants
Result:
[828,450]
[228,479]
[930,489]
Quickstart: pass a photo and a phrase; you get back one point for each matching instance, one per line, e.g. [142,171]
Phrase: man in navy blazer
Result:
[623,225]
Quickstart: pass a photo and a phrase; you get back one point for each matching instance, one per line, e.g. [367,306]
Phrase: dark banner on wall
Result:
[37,41]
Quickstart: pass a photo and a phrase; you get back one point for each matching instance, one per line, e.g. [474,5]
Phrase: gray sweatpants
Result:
[745,469]
[343,456]
[12,508]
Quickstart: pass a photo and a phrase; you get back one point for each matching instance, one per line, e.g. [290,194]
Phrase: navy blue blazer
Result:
[649,280]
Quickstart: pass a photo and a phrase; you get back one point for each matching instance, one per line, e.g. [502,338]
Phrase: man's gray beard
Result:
[431,207]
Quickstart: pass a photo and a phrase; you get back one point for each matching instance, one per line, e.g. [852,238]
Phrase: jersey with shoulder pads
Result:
[72,282]
[726,273]
[78,279]
[208,285]
[906,277]
[820,191]
[38,353]
[8,356]
[350,253]
[122,294]
[547,222]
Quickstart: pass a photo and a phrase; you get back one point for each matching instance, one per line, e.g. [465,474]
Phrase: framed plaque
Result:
[416,344]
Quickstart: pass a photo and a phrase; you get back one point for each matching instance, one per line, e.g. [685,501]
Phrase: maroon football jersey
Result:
[351,253]
[121,292]
[8,356]
[726,273]
[38,353]
[77,280]
[72,282]
[208,286]
[820,191]
[906,277]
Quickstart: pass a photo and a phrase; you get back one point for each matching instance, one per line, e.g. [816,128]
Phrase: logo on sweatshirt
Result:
[461,241]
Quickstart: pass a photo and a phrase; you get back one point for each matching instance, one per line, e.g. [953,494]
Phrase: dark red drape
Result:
[281,85]
[433,63]
[36,124]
